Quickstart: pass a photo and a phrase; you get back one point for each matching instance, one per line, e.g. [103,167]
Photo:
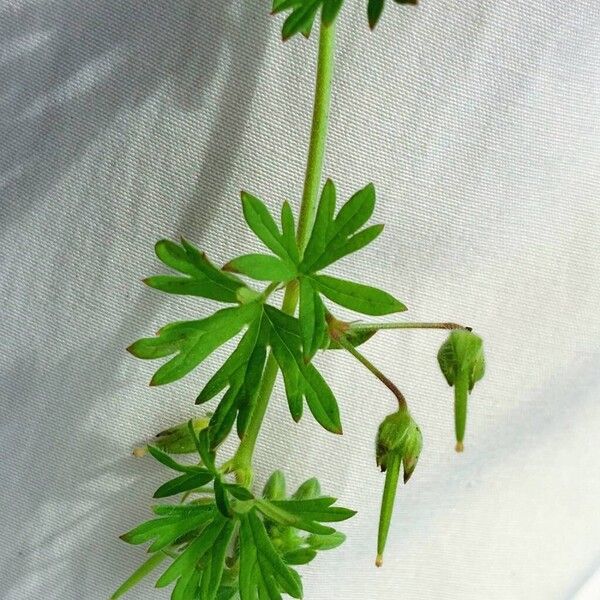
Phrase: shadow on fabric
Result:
[72,67]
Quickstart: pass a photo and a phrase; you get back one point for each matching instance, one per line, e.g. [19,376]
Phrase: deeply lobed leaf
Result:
[333,237]
[262,267]
[192,341]
[261,222]
[241,373]
[301,380]
[165,531]
[201,277]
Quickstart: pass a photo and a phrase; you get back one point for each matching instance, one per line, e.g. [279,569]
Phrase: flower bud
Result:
[310,489]
[177,439]
[275,487]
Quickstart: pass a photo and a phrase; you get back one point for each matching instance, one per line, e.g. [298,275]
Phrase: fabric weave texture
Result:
[477,120]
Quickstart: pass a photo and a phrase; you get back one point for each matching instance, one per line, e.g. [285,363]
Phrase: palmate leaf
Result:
[248,552]
[192,341]
[203,536]
[319,509]
[333,237]
[201,278]
[261,222]
[282,517]
[307,515]
[166,530]
[216,535]
[213,571]
[295,547]
[242,371]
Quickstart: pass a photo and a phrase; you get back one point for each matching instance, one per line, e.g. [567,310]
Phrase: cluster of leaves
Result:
[295,545]
[302,13]
[293,341]
[225,543]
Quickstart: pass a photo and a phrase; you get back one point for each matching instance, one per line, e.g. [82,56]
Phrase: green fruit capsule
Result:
[399,443]
[462,362]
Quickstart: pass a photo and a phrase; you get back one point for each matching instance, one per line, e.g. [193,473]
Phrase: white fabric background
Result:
[124,121]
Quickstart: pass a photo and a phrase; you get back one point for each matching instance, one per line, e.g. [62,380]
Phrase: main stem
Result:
[314,169]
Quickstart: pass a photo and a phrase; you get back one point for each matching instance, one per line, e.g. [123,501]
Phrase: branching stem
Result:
[241,462]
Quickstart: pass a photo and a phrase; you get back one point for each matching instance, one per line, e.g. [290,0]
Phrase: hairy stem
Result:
[369,365]
[241,462]
[404,325]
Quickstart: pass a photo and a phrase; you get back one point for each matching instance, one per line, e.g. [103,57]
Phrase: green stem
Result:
[241,462]
[318,134]
[369,365]
[387,503]
[403,325]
